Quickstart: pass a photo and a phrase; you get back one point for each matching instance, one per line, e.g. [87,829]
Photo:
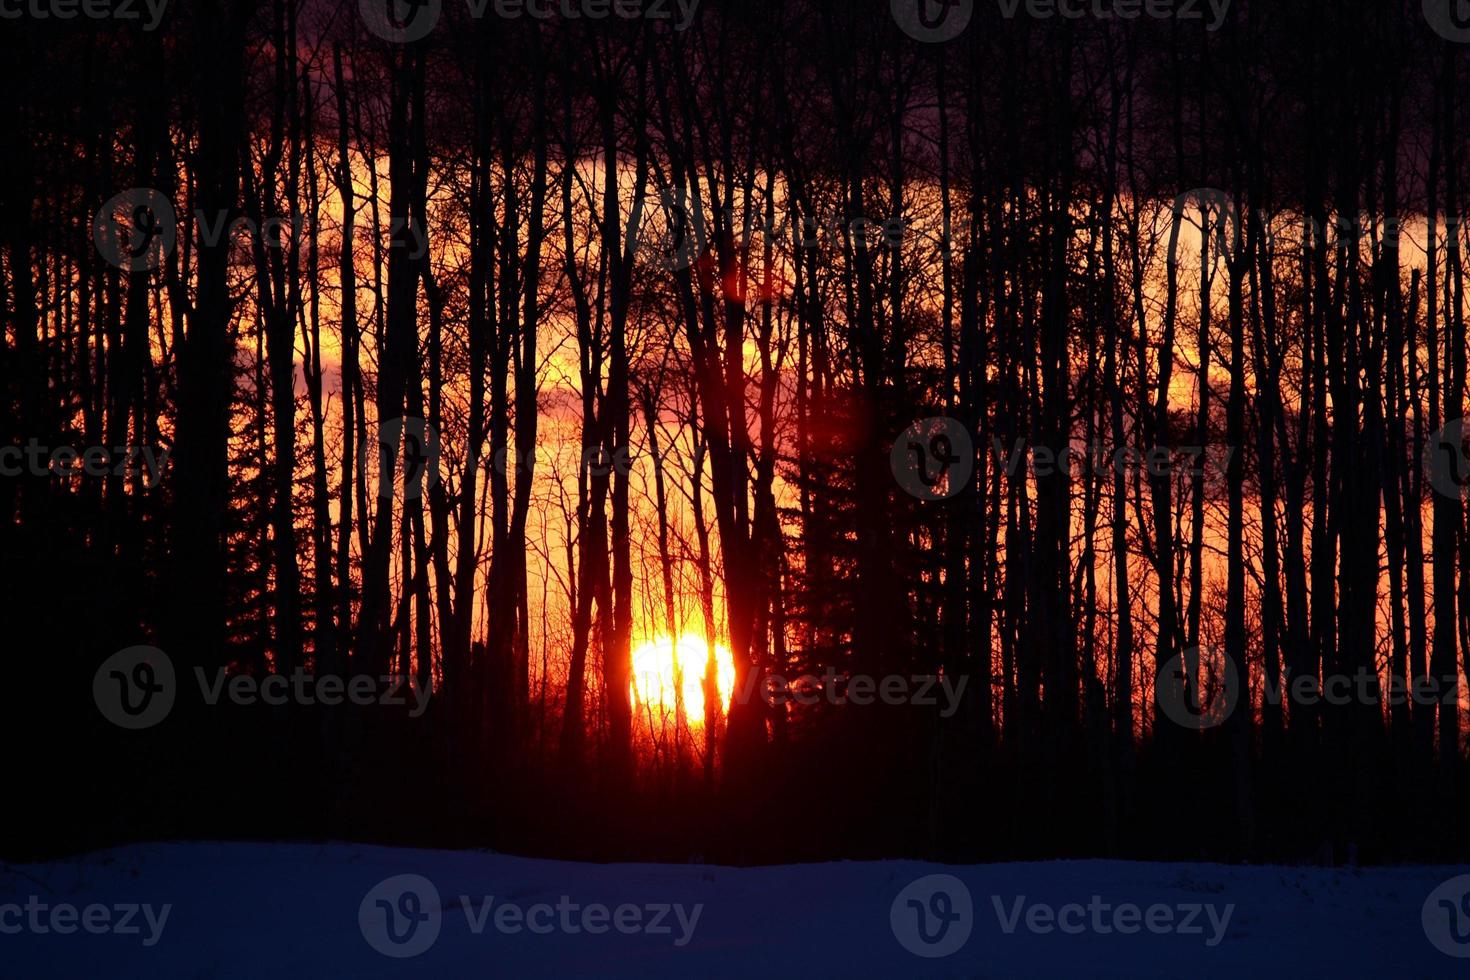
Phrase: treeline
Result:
[727,267]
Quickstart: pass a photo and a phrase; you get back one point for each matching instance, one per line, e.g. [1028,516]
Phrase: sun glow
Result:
[662,666]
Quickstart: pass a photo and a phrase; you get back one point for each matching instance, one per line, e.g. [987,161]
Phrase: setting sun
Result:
[661,666]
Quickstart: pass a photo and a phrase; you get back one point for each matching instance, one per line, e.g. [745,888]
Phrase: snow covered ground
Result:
[279,911]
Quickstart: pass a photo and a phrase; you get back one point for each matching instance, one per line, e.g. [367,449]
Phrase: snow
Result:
[280,911]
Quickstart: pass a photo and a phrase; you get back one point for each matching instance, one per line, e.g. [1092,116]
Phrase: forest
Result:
[738,430]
